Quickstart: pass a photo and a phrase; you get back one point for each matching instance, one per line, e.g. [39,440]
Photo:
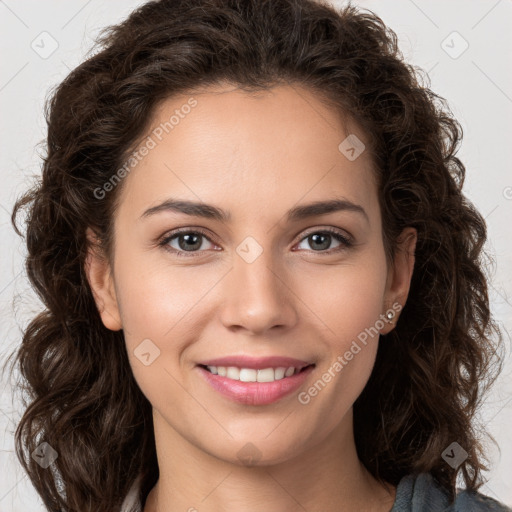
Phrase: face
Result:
[263,277]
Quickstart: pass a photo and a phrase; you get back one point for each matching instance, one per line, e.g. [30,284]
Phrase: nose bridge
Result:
[257,297]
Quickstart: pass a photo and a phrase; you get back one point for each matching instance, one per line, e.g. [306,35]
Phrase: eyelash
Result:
[345,242]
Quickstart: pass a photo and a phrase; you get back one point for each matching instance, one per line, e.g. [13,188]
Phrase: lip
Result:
[255,363]
[255,393]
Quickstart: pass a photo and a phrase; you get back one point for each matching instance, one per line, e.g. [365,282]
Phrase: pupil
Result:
[315,238]
[188,246]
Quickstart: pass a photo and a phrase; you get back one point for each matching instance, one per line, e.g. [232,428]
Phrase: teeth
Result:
[233,372]
[279,373]
[248,375]
[251,375]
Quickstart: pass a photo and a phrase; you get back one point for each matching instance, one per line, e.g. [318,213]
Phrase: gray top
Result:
[414,493]
[421,493]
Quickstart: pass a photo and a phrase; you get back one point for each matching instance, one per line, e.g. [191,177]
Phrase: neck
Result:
[328,477]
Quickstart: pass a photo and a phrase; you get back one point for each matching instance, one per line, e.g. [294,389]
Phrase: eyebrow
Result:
[198,209]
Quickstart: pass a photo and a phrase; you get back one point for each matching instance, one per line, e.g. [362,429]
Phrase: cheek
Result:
[163,303]
[162,311]
[169,301]
[346,299]
[171,304]
[345,304]
[155,293]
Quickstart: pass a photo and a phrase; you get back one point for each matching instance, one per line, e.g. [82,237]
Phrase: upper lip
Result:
[244,361]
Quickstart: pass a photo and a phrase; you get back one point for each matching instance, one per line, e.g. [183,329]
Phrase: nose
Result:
[258,297]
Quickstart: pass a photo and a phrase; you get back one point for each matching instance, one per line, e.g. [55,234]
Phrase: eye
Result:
[187,242]
[321,239]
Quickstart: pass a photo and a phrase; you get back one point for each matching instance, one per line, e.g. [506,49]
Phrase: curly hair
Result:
[432,371]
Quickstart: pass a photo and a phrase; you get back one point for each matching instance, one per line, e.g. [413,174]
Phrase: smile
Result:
[251,386]
[253,375]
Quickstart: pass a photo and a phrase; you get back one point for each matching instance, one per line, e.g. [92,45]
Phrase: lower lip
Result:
[255,393]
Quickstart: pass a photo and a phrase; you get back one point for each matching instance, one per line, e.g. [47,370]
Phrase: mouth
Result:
[270,374]
[255,386]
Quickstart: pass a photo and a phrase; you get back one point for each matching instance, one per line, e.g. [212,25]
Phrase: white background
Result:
[477,85]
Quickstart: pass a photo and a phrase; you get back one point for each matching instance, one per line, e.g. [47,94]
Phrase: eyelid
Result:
[164,240]
[346,239]
[327,229]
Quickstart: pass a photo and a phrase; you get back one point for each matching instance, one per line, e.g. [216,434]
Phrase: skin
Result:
[255,156]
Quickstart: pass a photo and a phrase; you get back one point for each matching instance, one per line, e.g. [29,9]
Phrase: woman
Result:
[199,351]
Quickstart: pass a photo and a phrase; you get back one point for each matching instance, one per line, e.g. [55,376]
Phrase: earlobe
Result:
[99,276]
[400,274]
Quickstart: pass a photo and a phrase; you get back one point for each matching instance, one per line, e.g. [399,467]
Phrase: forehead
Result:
[223,144]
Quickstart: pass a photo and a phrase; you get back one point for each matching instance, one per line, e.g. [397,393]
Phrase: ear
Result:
[99,275]
[399,276]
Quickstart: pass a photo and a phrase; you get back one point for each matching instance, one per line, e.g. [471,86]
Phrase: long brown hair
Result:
[431,371]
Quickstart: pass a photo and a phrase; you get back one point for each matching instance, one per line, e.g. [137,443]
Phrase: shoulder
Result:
[478,502]
[422,493]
